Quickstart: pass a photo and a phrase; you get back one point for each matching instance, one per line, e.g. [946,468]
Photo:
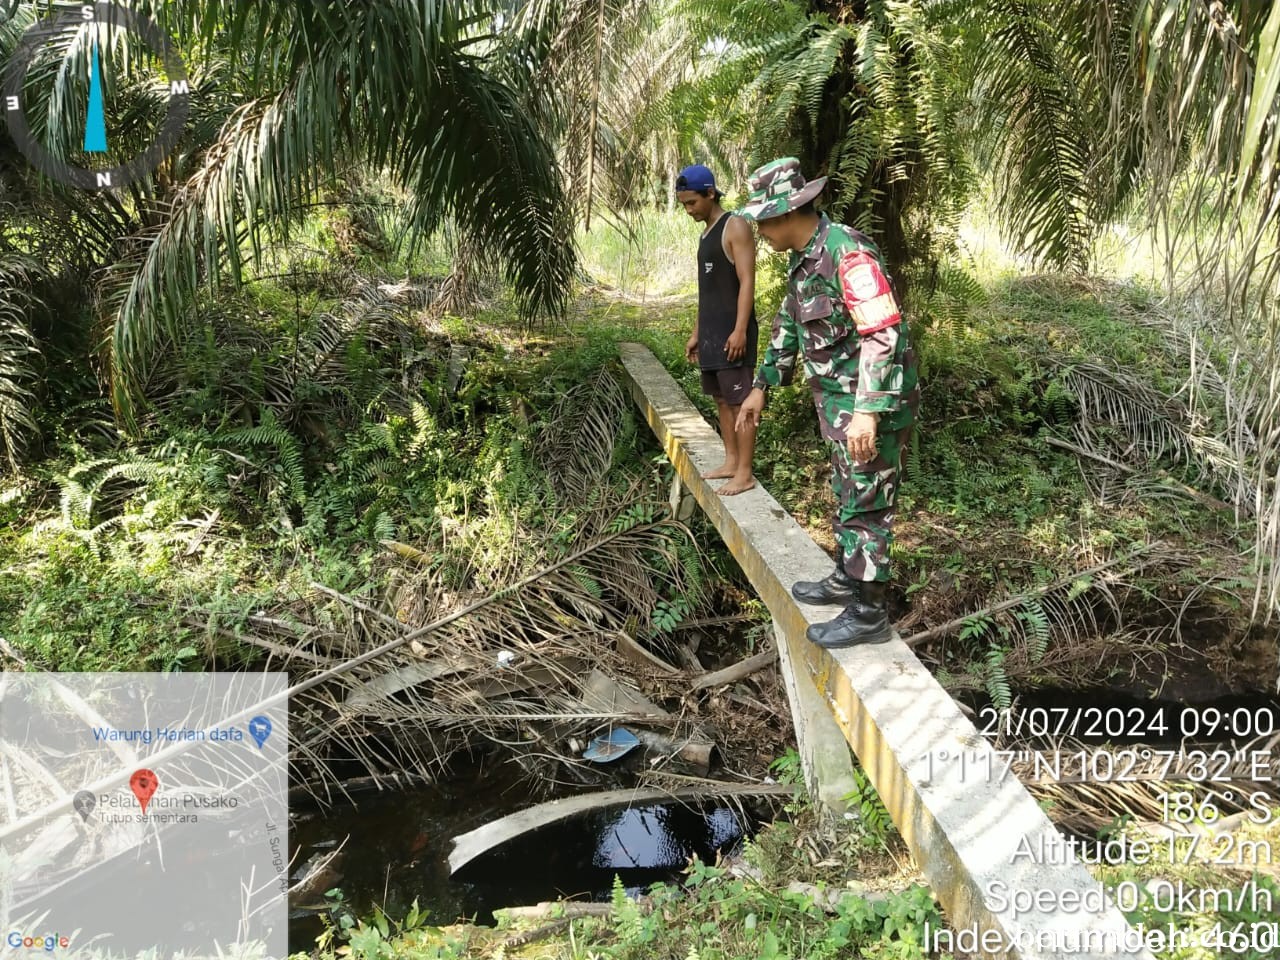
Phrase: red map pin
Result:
[143,783]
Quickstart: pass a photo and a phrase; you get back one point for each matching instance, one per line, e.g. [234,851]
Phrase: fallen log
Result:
[634,651]
[694,752]
[316,876]
[566,909]
[603,694]
[313,789]
[743,668]
[522,677]
[369,692]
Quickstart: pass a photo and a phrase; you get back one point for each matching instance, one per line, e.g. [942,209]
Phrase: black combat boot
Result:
[865,620]
[836,588]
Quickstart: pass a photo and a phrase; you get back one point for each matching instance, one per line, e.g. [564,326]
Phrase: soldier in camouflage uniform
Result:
[841,315]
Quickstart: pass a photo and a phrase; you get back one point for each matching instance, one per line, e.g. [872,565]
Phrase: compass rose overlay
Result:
[13,104]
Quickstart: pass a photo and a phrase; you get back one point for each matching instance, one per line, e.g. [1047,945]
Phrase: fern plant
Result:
[997,680]
[1035,620]
[873,814]
[285,475]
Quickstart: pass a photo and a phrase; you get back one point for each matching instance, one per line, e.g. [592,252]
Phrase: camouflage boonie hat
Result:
[777,188]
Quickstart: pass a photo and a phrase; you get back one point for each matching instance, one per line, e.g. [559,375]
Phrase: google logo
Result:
[16,940]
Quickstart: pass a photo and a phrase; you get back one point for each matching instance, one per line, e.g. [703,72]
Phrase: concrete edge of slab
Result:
[475,843]
[824,753]
[968,828]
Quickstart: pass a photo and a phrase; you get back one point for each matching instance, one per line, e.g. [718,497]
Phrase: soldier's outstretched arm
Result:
[750,410]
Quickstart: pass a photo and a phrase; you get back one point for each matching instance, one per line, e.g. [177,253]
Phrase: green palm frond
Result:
[369,310]
[458,141]
[867,95]
[1030,108]
[18,354]
[1262,99]
[587,67]
[754,21]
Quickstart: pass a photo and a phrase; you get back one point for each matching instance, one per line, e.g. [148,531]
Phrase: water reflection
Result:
[398,849]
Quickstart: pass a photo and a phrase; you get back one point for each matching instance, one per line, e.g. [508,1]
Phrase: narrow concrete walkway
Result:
[963,826]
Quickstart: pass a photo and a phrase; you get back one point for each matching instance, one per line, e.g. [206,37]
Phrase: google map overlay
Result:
[143,815]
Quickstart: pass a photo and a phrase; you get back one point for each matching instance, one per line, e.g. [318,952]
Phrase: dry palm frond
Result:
[511,672]
[372,313]
[576,447]
[1072,661]
[1211,76]
[1183,335]
[1090,785]
[1101,577]
[578,61]
[312,383]
[1070,631]
[472,274]
[1153,426]
[1151,420]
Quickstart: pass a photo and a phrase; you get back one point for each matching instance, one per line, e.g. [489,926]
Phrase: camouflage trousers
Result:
[865,495]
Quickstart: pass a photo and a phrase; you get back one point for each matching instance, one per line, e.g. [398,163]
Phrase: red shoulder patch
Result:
[867,294]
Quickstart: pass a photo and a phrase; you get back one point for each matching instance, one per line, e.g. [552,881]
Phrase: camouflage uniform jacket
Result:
[840,312]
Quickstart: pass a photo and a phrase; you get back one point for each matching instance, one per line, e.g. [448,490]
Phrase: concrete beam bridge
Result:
[964,828]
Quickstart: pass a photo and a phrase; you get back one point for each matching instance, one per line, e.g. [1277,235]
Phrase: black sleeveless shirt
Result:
[718,304]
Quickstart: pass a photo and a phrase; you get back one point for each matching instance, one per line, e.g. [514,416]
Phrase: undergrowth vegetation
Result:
[711,916]
[325,410]
[244,422]
[285,448]
[323,445]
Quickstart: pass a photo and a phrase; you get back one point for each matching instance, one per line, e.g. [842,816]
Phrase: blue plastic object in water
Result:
[618,743]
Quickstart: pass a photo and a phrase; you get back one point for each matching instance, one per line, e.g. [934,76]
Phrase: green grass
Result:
[713,916]
[655,260]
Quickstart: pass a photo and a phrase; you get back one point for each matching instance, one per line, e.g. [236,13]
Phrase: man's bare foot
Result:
[737,485]
[722,472]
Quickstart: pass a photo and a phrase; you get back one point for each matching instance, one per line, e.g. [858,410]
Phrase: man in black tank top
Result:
[723,343]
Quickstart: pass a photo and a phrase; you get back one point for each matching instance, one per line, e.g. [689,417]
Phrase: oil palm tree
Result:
[1088,107]
[865,93]
[1076,112]
[294,95]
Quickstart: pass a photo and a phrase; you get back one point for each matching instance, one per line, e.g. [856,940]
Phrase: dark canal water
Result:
[397,848]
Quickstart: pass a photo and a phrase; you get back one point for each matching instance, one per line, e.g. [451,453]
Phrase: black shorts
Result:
[732,384]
